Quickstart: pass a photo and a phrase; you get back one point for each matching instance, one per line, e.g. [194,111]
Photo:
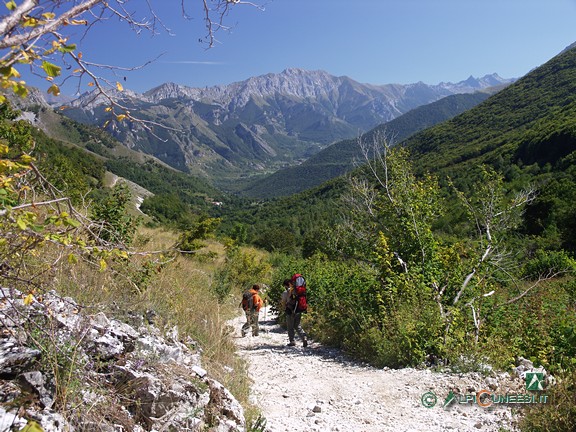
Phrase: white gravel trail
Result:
[320,389]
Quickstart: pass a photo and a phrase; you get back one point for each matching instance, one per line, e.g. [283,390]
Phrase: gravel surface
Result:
[320,389]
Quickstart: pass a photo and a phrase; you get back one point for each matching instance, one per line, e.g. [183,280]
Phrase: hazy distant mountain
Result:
[263,123]
[341,157]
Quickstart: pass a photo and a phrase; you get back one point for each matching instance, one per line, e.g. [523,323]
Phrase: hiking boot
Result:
[305,343]
[254,334]
[291,343]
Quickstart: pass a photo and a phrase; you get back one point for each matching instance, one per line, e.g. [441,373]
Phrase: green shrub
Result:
[191,239]
[243,267]
[348,309]
[548,262]
[559,414]
[117,225]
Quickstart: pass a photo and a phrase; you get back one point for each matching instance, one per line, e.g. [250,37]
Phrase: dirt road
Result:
[320,389]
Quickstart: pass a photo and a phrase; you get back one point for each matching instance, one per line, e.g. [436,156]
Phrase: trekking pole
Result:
[266,288]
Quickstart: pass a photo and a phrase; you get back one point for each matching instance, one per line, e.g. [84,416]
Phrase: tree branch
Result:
[542,278]
[12,20]
[49,27]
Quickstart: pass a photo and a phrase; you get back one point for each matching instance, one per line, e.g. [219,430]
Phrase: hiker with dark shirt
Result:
[251,303]
[295,306]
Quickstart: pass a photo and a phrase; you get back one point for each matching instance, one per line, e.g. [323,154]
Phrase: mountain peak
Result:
[569,47]
[166,85]
[293,71]
[166,91]
[302,72]
[472,82]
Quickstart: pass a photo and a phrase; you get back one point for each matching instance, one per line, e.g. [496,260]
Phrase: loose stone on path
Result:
[320,389]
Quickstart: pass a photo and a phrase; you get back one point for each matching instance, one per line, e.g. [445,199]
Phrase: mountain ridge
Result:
[260,124]
[306,84]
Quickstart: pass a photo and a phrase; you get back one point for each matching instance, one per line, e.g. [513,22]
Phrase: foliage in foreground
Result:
[47,244]
[559,415]
[394,290]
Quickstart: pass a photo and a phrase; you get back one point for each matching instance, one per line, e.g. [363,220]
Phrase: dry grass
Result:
[178,290]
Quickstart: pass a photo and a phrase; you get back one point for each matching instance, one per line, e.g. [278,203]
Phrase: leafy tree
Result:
[191,239]
[166,208]
[116,224]
[276,239]
[437,293]
[239,233]
[34,216]
[16,136]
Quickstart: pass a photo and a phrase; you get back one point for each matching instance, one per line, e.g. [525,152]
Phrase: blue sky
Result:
[371,41]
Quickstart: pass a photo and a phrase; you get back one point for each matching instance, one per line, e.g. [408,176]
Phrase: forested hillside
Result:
[172,195]
[527,132]
[529,122]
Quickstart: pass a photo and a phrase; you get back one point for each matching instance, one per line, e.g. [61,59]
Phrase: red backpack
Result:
[300,292]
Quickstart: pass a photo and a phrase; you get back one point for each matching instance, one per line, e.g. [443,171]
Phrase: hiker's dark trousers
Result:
[293,325]
[251,321]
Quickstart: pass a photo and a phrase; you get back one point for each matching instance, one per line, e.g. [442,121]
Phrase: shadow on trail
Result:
[271,326]
[315,349]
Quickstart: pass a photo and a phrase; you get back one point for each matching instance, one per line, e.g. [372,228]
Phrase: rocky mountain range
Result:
[343,156]
[260,124]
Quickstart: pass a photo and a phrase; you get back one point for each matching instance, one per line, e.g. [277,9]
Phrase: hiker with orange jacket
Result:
[251,303]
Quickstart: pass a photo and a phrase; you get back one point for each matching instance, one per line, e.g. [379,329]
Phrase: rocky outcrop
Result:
[64,370]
